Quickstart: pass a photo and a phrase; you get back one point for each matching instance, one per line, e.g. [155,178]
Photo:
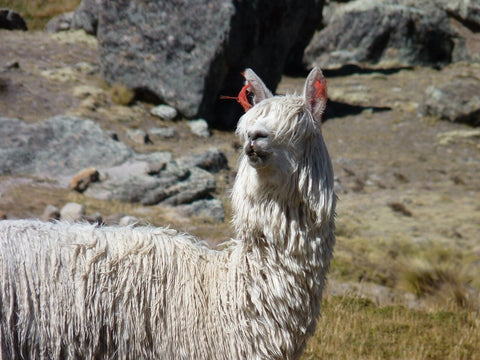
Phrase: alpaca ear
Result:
[315,94]
[257,87]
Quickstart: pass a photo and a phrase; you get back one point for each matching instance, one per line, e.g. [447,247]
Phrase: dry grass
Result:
[353,328]
[38,12]
[440,320]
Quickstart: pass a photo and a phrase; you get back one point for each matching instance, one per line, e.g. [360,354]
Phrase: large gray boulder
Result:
[398,32]
[188,53]
[86,16]
[466,11]
[61,145]
[455,101]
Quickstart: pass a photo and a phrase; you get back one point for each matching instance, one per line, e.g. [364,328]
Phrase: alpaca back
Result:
[73,291]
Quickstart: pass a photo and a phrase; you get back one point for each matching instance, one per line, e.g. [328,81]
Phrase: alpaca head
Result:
[284,159]
[276,131]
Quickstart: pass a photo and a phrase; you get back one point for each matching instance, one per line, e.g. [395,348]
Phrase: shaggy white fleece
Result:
[77,291]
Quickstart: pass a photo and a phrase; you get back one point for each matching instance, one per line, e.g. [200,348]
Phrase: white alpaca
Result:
[77,291]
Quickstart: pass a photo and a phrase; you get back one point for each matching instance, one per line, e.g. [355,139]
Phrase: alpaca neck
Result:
[276,218]
[286,213]
[287,248]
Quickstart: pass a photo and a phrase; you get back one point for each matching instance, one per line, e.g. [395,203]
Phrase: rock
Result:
[3,216]
[13,64]
[128,188]
[11,20]
[128,220]
[206,208]
[86,16]
[83,179]
[50,213]
[164,112]
[468,12]
[199,127]
[212,160]
[198,185]
[60,23]
[455,101]
[189,53]
[72,212]
[385,32]
[95,218]
[138,136]
[139,165]
[57,147]
[159,133]
[60,145]
[131,182]
[113,219]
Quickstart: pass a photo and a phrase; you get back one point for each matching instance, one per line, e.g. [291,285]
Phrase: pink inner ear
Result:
[321,87]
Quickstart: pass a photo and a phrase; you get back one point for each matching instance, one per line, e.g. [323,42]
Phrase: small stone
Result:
[159,133]
[113,219]
[59,23]
[138,136]
[72,212]
[95,218]
[12,20]
[3,216]
[164,112]
[83,179]
[155,168]
[128,220]
[50,213]
[199,127]
[13,64]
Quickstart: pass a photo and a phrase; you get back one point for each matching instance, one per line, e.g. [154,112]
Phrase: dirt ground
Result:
[399,175]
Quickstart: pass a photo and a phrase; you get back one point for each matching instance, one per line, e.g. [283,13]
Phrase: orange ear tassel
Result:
[242,97]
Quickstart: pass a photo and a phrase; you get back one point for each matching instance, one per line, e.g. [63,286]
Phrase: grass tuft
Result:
[121,94]
[352,328]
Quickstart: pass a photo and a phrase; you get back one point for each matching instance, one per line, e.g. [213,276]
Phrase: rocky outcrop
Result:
[398,32]
[11,20]
[455,101]
[70,148]
[86,16]
[467,12]
[189,53]
[62,22]
[61,145]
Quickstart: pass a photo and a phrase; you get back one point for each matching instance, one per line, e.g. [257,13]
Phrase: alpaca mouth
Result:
[255,157]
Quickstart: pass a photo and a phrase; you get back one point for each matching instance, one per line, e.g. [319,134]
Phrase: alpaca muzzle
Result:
[256,151]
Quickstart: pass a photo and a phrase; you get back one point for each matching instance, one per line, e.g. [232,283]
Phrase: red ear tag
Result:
[242,97]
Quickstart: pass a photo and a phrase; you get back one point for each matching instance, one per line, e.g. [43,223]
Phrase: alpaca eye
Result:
[255,135]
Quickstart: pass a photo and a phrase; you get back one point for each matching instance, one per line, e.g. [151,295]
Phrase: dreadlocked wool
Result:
[79,291]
